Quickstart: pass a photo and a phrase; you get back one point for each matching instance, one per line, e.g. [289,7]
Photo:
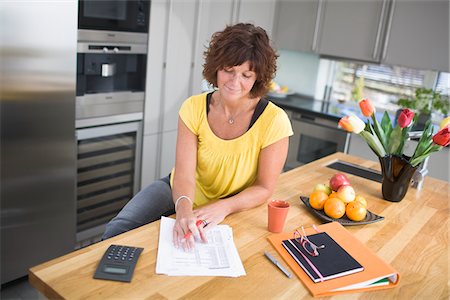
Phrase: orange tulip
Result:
[367,107]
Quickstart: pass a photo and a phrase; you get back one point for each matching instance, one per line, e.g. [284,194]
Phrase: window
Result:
[443,84]
[385,85]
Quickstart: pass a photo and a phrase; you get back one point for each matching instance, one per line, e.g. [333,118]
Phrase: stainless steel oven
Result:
[115,15]
[108,175]
[314,137]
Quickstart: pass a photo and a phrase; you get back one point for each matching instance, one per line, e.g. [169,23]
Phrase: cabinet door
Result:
[295,25]
[179,59]
[351,29]
[168,152]
[155,66]
[258,12]
[213,16]
[418,35]
[150,167]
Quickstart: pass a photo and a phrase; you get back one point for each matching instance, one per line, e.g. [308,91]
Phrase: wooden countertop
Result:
[413,238]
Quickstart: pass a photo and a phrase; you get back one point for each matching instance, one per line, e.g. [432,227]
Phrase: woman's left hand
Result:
[213,213]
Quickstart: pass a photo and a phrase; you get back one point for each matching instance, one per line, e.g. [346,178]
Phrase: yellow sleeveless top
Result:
[226,167]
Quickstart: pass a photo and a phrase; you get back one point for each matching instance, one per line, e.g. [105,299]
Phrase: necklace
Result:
[231,119]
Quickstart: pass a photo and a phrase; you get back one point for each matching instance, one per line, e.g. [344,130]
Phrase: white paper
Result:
[218,257]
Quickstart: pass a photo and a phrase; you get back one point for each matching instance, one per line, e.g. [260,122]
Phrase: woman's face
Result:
[236,82]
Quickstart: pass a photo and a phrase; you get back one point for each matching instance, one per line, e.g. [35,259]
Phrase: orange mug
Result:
[278,210]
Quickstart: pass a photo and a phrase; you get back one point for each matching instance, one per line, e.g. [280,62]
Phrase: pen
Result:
[198,223]
[276,263]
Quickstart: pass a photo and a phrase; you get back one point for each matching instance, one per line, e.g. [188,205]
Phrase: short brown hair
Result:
[234,46]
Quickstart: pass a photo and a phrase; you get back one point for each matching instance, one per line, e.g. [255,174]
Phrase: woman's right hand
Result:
[185,223]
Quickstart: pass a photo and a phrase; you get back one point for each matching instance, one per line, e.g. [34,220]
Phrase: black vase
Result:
[397,173]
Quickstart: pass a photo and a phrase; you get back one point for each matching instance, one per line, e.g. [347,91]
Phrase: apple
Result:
[322,187]
[338,180]
[361,199]
[346,193]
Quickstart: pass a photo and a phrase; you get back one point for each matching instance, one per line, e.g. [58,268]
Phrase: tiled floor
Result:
[20,289]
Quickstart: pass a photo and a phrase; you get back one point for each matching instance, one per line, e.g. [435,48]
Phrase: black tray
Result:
[370,217]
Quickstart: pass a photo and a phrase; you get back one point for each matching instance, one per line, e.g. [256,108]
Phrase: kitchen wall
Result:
[298,71]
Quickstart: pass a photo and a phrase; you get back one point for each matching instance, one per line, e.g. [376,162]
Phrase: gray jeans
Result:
[146,206]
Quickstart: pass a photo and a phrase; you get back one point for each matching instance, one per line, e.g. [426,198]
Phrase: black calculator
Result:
[118,263]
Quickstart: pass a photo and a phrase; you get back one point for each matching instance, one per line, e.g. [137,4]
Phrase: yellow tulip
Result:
[444,123]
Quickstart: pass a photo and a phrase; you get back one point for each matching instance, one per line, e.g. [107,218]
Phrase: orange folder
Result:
[374,267]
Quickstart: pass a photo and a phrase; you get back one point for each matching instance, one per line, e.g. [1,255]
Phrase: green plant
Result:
[425,101]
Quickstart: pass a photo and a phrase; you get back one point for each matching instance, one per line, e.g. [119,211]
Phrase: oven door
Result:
[314,138]
[113,15]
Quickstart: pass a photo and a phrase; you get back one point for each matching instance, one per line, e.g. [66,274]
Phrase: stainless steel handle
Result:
[388,31]
[380,25]
[316,26]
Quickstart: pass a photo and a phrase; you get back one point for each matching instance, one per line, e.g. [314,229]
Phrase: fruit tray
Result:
[345,221]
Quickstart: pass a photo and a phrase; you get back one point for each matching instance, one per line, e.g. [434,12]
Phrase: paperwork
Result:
[219,257]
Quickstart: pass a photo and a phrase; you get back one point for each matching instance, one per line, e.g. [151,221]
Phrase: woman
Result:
[231,144]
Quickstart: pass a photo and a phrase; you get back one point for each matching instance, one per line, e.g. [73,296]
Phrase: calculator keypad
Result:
[121,253]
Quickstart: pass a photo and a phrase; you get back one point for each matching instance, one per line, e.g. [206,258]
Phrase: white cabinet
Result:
[179,59]
[168,150]
[172,34]
[155,66]
[150,159]
[418,35]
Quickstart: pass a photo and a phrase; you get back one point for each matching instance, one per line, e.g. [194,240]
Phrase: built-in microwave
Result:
[114,15]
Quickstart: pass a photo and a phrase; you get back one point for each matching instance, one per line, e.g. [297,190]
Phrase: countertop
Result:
[413,238]
[318,108]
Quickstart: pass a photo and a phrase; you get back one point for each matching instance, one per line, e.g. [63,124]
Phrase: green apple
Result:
[322,187]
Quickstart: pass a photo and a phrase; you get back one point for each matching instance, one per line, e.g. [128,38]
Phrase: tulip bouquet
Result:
[384,138]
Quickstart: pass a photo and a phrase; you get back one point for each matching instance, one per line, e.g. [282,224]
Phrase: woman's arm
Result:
[184,185]
[270,165]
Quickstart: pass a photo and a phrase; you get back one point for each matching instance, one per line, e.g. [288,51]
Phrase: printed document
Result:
[218,257]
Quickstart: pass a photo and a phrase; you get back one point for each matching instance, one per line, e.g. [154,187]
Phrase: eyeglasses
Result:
[309,246]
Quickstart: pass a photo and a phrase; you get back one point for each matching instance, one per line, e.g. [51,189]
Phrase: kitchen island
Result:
[413,238]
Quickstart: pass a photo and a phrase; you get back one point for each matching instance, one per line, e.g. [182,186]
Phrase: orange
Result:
[361,199]
[317,199]
[334,208]
[333,195]
[356,211]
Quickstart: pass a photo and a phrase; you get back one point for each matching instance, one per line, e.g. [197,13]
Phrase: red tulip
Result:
[442,137]
[405,118]
[367,107]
